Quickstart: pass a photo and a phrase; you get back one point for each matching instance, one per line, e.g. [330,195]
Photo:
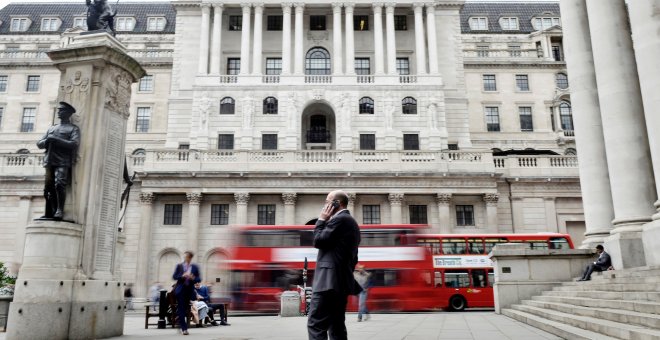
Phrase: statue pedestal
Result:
[69,286]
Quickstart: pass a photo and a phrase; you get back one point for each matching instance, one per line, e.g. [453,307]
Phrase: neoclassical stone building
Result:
[442,112]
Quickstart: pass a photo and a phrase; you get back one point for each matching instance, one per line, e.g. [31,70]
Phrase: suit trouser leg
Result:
[326,316]
[337,329]
[181,309]
[587,273]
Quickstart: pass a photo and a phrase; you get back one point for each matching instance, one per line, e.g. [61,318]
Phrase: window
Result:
[273,66]
[227,106]
[367,141]
[317,61]
[570,152]
[483,51]
[562,81]
[452,146]
[19,24]
[362,66]
[526,123]
[490,243]
[219,214]
[366,105]
[274,22]
[453,246]
[544,23]
[515,51]
[33,83]
[479,278]
[266,214]
[269,141]
[410,141]
[557,54]
[124,23]
[2,113]
[29,117]
[400,23]
[146,84]
[143,119]
[509,24]
[457,278]
[490,83]
[371,214]
[479,24]
[173,214]
[418,214]
[522,82]
[566,116]
[3,83]
[226,141]
[233,66]
[403,66]
[492,118]
[409,106]
[235,23]
[317,22]
[80,22]
[475,246]
[464,215]
[156,23]
[50,24]
[361,22]
[270,106]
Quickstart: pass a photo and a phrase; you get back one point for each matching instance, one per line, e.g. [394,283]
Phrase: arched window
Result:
[270,106]
[138,157]
[562,81]
[23,151]
[409,106]
[496,150]
[139,152]
[317,61]
[366,105]
[566,116]
[570,152]
[227,106]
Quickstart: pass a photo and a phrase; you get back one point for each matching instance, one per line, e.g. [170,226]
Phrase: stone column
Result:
[258,40]
[626,142]
[391,39]
[491,213]
[350,37]
[594,176]
[22,219]
[351,203]
[378,37]
[242,199]
[517,216]
[298,48]
[396,200]
[245,39]
[336,39]
[194,200]
[444,214]
[289,199]
[216,52]
[286,38]
[204,39]
[144,245]
[431,37]
[420,46]
[551,214]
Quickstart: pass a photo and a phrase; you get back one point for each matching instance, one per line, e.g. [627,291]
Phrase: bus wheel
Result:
[457,303]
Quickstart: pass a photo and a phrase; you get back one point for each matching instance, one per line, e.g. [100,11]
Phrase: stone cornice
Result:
[490,65]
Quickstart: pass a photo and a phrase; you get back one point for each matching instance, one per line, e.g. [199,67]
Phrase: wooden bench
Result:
[149,313]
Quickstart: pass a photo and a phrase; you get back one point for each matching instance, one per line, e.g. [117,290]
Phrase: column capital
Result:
[246,6]
[396,198]
[258,6]
[289,198]
[217,5]
[377,5]
[336,6]
[418,6]
[389,7]
[443,199]
[242,197]
[194,197]
[491,199]
[286,7]
[299,6]
[349,6]
[147,197]
[25,197]
[205,5]
[430,6]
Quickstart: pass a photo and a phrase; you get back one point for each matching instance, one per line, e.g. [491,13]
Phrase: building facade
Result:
[448,113]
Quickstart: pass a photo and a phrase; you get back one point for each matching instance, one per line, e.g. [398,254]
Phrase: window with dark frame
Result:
[526,123]
[452,146]
[409,106]
[146,84]
[270,106]
[269,141]
[410,141]
[561,80]
[522,82]
[400,23]
[227,106]
[366,105]
[566,116]
[33,83]
[371,214]
[362,66]
[274,23]
[492,118]
[3,83]
[317,22]
[418,214]
[317,61]
[483,51]
[235,23]
[266,214]
[361,22]
[233,66]
[403,66]
[173,214]
[143,119]
[219,214]
[490,82]
[515,51]
[464,215]
[226,141]
[273,66]
[367,141]
[28,119]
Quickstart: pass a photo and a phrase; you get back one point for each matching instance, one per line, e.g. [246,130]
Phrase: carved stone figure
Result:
[433,112]
[61,144]
[100,16]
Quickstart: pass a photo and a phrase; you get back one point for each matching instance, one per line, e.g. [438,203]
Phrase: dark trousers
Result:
[182,308]
[217,306]
[326,316]
[590,269]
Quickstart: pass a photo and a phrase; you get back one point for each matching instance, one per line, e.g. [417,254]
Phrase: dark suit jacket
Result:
[604,261]
[183,285]
[337,240]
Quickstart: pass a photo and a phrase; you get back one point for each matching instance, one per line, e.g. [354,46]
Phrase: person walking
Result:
[362,277]
[186,274]
[337,236]
[603,262]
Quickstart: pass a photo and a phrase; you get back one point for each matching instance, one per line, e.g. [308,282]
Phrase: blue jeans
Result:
[362,303]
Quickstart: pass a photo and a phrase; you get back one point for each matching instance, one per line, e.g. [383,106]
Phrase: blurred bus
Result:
[462,272]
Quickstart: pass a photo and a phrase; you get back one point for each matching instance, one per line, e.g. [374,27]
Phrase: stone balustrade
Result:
[13,56]
[508,55]
[348,79]
[537,166]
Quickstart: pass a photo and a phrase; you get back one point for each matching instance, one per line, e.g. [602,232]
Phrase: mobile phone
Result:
[335,205]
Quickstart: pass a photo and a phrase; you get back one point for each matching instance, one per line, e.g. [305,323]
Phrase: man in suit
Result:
[337,237]
[602,263]
[186,275]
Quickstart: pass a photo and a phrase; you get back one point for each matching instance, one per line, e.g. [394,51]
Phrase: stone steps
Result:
[628,273]
[634,306]
[557,328]
[616,280]
[593,294]
[611,287]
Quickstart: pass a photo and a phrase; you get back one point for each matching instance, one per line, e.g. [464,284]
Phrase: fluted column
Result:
[431,38]
[204,39]
[144,245]
[286,38]
[491,212]
[298,48]
[216,39]
[289,199]
[396,200]
[258,39]
[420,45]
[391,40]
[350,38]
[245,39]
[378,37]
[336,39]
[194,200]
[594,176]
[444,214]
[22,219]
[242,200]
[351,203]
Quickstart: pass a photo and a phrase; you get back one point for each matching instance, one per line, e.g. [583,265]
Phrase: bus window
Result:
[559,243]
[475,246]
[457,279]
[453,246]
[383,277]
[433,244]
[489,243]
[537,244]
[306,238]
[437,280]
[275,238]
[380,238]
[491,278]
[479,278]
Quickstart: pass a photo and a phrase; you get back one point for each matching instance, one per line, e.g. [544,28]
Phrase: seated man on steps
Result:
[602,263]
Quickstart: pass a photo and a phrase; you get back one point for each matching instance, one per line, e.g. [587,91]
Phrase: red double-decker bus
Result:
[461,270]
[268,260]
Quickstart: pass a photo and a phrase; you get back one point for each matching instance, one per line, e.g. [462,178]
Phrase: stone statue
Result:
[100,16]
[61,144]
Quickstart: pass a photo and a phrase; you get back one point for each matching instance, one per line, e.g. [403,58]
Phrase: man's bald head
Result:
[340,196]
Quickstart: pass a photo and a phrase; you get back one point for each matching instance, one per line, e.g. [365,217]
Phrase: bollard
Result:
[162,310]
